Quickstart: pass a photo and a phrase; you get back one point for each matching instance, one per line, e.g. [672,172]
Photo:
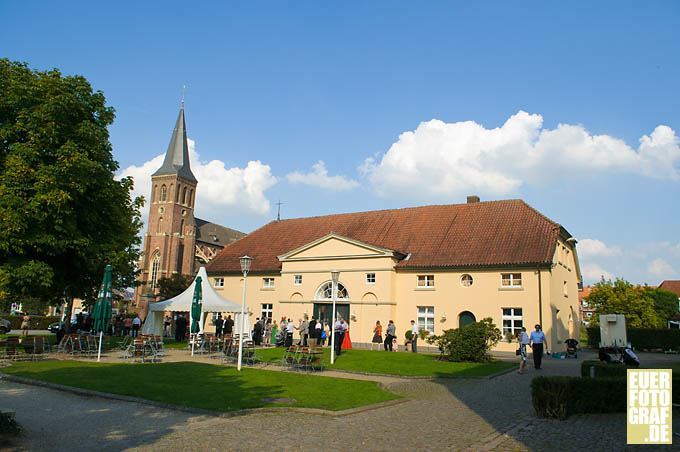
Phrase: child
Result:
[395,345]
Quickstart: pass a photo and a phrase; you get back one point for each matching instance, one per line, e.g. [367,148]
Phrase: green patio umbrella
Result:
[196,306]
[102,309]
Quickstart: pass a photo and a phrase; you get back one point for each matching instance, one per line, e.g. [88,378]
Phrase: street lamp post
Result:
[335,276]
[245,268]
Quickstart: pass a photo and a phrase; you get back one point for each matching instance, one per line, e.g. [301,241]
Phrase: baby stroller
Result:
[571,348]
[280,338]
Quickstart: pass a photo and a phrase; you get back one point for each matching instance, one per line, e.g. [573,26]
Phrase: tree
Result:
[174,285]
[665,302]
[621,297]
[468,343]
[63,215]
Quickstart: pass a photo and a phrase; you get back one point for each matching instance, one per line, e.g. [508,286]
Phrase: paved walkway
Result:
[444,414]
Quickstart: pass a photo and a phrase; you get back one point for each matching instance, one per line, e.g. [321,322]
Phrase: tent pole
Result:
[99,352]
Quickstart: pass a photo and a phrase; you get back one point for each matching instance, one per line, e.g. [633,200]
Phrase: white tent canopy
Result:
[211,302]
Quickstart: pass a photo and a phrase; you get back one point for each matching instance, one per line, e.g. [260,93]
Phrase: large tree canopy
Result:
[63,215]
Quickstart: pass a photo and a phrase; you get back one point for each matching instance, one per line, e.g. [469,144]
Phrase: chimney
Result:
[472,199]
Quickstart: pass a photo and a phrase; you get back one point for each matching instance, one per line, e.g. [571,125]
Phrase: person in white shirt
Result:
[537,340]
[523,339]
[339,332]
[414,337]
[290,329]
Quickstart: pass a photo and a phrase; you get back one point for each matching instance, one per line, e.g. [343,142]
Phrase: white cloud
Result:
[588,248]
[242,189]
[318,177]
[593,272]
[441,159]
[660,268]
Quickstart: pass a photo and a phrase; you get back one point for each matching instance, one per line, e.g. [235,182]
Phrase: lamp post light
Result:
[335,276]
[245,268]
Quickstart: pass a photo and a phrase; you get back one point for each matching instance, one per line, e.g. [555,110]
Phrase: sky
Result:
[336,107]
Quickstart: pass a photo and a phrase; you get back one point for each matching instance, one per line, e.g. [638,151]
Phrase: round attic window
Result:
[466,280]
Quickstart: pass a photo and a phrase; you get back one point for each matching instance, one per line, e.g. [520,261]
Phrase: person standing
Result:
[326,333]
[537,340]
[523,340]
[318,330]
[25,324]
[377,335]
[219,325]
[136,324]
[304,331]
[339,332]
[311,328]
[414,337]
[127,325]
[274,332]
[290,329]
[228,326]
[390,335]
[167,322]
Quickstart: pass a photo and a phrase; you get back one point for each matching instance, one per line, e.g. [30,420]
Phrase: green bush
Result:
[560,397]
[643,338]
[469,343]
[37,322]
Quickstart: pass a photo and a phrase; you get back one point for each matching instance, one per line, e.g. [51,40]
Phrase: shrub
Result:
[560,397]
[469,343]
[37,322]
[643,338]
[8,424]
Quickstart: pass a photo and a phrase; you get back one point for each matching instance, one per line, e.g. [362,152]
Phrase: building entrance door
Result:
[324,311]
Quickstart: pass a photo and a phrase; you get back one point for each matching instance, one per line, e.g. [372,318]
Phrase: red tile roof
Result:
[672,286]
[483,234]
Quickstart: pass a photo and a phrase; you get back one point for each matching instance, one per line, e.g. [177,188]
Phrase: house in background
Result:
[672,285]
[442,266]
[586,311]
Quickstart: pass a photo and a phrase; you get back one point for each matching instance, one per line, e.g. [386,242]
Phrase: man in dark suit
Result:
[219,323]
[228,326]
[313,340]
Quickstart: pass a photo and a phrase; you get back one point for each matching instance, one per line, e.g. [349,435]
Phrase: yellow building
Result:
[442,266]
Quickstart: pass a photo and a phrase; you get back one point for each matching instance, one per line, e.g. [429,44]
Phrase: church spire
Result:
[177,156]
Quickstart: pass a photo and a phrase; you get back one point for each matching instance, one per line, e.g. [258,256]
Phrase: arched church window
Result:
[153,271]
[164,193]
[181,227]
[191,197]
[325,292]
[154,193]
[159,230]
[177,193]
[184,195]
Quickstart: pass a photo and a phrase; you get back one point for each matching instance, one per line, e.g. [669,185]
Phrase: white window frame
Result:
[266,310]
[426,318]
[463,280]
[425,282]
[268,283]
[512,280]
[297,280]
[219,283]
[513,317]
[370,278]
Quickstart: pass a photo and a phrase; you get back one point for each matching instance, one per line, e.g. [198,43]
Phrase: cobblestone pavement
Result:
[460,414]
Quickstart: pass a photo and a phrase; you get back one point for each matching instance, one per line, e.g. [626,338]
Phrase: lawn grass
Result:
[207,386]
[401,364]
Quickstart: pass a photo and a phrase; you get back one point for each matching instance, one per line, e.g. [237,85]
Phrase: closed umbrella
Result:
[196,311]
[102,309]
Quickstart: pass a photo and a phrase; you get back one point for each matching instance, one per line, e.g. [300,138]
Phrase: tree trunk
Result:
[67,315]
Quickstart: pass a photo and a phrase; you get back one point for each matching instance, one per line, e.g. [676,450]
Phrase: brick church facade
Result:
[176,241]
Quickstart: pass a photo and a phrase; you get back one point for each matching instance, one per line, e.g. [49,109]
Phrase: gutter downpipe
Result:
[540,298]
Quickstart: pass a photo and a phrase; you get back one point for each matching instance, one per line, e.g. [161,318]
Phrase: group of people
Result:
[535,341]
[312,332]
[390,343]
[125,325]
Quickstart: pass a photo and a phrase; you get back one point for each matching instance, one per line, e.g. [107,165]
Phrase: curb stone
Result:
[201,411]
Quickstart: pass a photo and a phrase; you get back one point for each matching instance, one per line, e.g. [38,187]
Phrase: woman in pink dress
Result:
[346,341]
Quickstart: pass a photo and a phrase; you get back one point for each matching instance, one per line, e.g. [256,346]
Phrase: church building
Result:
[442,266]
[176,241]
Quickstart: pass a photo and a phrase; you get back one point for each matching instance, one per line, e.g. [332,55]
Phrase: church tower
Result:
[170,240]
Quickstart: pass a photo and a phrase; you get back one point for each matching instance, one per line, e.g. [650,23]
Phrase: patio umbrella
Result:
[102,309]
[196,310]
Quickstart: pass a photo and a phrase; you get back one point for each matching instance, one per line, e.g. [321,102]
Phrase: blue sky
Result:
[404,103]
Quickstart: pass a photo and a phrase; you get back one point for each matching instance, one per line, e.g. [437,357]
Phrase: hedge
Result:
[560,397]
[603,369]
[37,322]
[642,338]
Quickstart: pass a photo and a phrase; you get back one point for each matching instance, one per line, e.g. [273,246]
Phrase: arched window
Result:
[184,195]
[181,227]
[466,318]
[164,193]
[155,266]
[177,193]
[154,193]
[325,292]
[191,197]
[160,226]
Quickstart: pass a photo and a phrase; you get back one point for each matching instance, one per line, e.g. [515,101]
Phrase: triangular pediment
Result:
[334,246]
